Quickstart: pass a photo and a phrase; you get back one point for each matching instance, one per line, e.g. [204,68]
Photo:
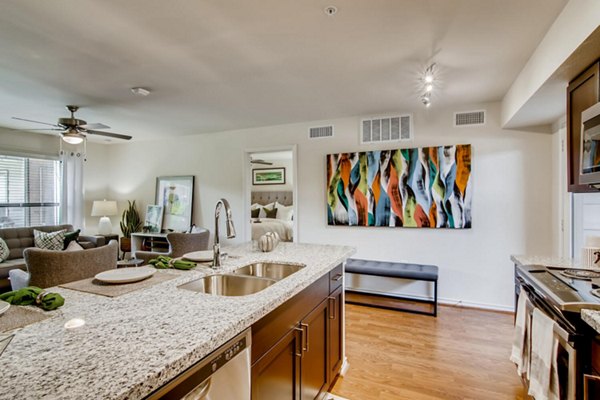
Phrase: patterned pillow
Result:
[49,240]
[4,250]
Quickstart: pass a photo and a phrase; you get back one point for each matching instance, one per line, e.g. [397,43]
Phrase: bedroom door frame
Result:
[248,185]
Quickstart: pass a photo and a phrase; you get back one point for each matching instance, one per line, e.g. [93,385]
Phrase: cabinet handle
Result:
[337,277]
[299,354]
[303,325]
[332,307]
[586,379]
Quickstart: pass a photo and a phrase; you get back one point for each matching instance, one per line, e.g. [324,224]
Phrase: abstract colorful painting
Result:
[426,187]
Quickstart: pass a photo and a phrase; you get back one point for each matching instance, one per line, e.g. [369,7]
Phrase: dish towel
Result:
[520,347]
[543,379]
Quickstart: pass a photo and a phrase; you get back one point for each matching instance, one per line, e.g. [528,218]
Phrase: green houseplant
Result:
[130,223]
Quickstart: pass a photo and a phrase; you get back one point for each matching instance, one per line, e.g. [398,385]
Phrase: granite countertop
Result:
[137,342]
[591,317]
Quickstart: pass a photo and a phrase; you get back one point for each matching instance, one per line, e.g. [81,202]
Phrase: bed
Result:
[283,226]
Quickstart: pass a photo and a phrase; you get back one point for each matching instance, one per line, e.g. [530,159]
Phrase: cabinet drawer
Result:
[336,278]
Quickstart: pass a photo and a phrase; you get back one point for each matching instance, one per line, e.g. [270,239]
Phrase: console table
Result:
[149,241]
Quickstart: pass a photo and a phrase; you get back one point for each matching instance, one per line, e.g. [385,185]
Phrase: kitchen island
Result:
[135,343]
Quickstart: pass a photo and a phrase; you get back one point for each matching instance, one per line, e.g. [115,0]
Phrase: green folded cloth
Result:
[33,295]
[164,262]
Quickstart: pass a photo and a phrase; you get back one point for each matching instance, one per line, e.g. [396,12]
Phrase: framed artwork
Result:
[425,187]
[153,220]
[268,176]
[176,195]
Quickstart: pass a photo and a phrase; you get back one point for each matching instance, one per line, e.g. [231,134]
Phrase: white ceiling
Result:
[223,64]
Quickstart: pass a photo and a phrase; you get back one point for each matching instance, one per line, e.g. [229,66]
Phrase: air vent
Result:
[469,118]
[386,129]
[320,132]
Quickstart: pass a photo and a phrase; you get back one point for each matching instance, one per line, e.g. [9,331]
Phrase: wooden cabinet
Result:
[582,93]
[591,381]
[277,374]
[297,348]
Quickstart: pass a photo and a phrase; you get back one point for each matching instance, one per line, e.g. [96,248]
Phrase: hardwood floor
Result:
[461,354]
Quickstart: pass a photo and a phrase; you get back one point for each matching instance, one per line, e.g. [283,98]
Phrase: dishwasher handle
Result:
[199,392]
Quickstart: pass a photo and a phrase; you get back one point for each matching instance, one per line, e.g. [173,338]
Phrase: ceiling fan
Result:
[73,130]
[262,162]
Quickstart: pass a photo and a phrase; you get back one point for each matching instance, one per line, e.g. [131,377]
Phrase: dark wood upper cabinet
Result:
[582,93]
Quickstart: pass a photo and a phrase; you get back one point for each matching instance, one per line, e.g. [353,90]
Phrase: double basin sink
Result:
[243,281]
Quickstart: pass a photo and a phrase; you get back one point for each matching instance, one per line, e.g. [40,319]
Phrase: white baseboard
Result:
[469,304]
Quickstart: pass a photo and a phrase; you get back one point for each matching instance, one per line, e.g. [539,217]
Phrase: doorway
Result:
[270,194]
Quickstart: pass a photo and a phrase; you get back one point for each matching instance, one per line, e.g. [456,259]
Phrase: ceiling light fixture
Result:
[140,91]
[427,81]
[330,10]
[72,136]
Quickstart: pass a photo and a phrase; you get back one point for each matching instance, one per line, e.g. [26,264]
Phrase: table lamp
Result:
[104,209]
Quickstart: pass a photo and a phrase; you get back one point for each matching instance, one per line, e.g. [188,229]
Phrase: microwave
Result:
[590,145]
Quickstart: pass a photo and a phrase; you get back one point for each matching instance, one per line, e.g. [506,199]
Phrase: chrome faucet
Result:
[230,230]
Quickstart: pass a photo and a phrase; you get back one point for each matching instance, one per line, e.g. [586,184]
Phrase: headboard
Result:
[282,197]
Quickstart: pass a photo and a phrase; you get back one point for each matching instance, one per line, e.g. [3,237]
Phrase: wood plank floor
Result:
[461,354]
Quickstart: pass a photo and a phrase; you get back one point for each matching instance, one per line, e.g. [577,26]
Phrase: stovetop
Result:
[566,293]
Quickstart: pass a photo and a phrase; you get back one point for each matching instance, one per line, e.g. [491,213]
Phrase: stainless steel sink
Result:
[228,285]
[269,270]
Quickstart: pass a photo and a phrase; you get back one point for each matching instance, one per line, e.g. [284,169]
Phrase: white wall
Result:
[512,206]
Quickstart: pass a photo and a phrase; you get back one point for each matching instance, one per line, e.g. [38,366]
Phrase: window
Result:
[29,191]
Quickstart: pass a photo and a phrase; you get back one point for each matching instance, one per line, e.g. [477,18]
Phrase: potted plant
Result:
[130,223]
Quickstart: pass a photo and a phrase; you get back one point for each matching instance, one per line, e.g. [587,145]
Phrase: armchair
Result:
[46,268]
[179,244]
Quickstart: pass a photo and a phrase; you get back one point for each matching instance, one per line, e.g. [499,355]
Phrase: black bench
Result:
[417,272]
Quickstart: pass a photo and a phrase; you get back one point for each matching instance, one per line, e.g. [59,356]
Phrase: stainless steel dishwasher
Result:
[222,375]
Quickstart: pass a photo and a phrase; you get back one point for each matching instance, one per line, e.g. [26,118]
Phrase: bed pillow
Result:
[263,213]
[285,213]
[272,213]
[49,240]
[254,212]
[71,237]
[4,250]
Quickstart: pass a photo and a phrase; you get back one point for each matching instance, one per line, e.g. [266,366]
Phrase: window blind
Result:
[29,191]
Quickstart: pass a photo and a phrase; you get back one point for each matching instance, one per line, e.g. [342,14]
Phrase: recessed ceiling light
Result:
[140,91]
[330,10]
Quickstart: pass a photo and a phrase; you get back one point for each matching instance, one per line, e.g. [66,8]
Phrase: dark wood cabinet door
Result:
[336,313]
[582,93]
[314,366]
[276,374]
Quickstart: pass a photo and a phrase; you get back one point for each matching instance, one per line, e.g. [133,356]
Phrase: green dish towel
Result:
[33,295]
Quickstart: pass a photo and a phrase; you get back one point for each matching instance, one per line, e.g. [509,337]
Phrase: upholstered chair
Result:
[46,268]
[179,244]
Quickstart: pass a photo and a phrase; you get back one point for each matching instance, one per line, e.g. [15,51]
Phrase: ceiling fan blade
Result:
[108,134]
[94,126]
[36,122]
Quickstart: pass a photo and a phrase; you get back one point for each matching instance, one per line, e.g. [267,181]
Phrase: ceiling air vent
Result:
[386,129]
[469,118]
[320,132]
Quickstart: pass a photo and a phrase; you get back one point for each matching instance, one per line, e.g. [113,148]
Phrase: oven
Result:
[561,294]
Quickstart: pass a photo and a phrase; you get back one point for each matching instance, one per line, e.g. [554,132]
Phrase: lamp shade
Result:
[104,208]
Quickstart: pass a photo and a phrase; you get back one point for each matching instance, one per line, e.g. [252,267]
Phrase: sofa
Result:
[19,239]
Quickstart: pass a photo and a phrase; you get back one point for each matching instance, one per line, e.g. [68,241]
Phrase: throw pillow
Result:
[270,213]
[74,246]
[4,250]
[285,212]
[254,212]
[70,237]
[49,240]
[262,213]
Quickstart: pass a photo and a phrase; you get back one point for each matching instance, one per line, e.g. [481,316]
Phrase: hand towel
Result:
[543,382]
[520,347]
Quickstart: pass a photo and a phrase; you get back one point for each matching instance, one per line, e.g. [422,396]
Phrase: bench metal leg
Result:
[435,298]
